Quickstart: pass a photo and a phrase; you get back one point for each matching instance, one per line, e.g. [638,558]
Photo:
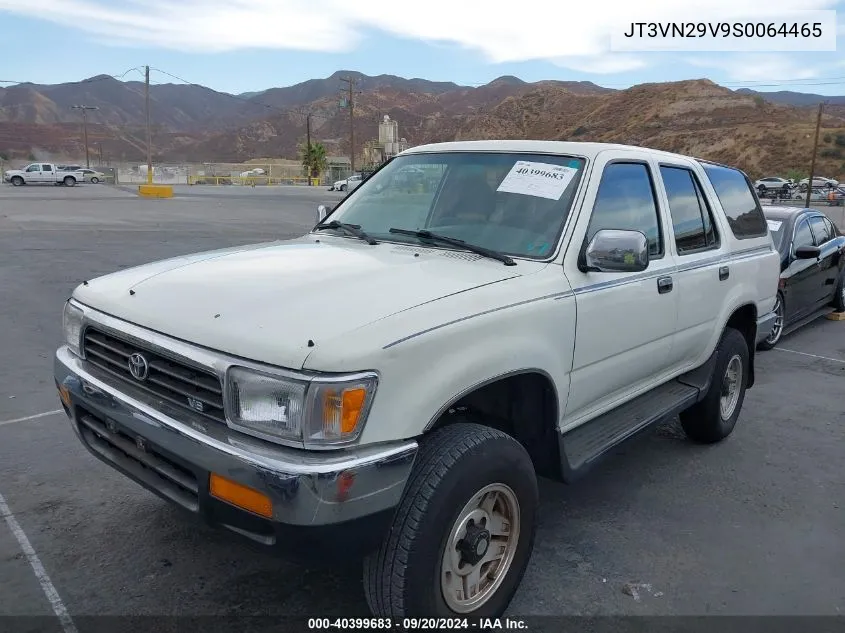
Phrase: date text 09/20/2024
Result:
[435,624]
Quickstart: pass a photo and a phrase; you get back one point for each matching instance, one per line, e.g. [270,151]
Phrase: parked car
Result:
[770,185]
[819,194]
[92,175]
[812,278]
[347,184]
[42,173]
[818,181]
[544,303]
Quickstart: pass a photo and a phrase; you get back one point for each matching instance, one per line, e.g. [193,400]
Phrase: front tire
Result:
[771,341]
[714,418]
[17,181]
[464,530]
[94,180]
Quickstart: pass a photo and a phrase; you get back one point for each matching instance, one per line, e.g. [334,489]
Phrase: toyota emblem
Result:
[138,366]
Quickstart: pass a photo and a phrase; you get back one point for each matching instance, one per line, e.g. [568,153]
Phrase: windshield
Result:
[507,202]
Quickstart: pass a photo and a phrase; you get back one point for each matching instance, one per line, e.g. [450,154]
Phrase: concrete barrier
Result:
[155,191]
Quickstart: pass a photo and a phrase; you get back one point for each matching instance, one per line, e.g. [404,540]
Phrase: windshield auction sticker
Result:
[774,225]
[541,180]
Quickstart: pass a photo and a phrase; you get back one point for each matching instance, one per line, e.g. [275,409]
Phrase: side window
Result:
[820,230]
[745,217]
[803,235]
[46,168]
[831,230]
[32,168]
[692,219]
[626,201]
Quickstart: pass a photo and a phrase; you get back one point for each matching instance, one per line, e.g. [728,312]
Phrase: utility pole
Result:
[813,162]
[149,133]
[84,109]
[100,150]
[308,146]
[350,86]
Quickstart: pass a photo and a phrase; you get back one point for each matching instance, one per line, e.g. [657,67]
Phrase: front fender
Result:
[422,374]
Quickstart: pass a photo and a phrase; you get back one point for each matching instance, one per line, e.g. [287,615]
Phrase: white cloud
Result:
[759,67]
[606,64]
[571,34]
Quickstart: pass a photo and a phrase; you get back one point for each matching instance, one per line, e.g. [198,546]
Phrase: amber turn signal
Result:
[239,495]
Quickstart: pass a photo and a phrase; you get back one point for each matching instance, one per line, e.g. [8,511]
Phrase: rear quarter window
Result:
[745,217]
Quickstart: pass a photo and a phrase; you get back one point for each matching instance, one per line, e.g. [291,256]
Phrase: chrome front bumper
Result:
[765,324]
[174,459]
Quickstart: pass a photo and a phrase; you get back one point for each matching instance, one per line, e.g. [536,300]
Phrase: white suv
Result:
[391,384]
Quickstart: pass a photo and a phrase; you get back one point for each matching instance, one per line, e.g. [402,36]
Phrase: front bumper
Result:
[765,324]
[331,503]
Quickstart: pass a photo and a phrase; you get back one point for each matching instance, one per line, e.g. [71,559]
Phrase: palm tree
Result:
[314,161]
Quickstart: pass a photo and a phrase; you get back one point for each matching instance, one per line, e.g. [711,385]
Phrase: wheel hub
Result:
[474,545]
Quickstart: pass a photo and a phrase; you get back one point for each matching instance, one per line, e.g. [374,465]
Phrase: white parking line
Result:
[32,417]
[792,351]
[40,573]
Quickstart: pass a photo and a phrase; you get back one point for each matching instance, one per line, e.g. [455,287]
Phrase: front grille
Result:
[179,384]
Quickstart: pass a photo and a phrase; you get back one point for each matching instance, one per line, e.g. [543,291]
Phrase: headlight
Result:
[72,326]
[313,412]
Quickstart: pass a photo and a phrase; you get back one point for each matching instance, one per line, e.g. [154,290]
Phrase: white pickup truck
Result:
[43,173]
[392,383]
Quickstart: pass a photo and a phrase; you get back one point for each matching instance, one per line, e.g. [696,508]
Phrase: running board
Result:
[582,447]
[807,319]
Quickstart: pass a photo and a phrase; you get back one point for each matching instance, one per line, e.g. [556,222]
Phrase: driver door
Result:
[625,321]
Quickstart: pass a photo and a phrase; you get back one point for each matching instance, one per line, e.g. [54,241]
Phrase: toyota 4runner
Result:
[392,383]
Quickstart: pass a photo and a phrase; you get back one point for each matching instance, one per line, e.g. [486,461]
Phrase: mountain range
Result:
[764,133]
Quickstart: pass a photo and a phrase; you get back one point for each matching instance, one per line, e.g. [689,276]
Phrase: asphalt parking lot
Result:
[753,526]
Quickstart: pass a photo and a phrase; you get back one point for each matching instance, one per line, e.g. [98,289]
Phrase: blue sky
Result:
[244,45]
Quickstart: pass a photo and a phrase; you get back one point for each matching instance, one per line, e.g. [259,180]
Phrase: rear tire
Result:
[69,181]
[442,523]
[714,418]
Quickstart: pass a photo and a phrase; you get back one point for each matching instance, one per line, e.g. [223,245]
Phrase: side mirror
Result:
[322,212]
[808,252]
[615,251]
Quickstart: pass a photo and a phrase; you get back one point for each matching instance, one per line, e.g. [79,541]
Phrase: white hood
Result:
[265,302]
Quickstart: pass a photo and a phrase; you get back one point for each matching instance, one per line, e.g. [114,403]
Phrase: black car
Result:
[812,278]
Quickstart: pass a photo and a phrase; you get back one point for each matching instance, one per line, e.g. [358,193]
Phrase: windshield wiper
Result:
[453,241]
[350,229]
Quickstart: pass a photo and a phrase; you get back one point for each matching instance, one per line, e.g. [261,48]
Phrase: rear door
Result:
[47,173]
[828,262]
[701,278]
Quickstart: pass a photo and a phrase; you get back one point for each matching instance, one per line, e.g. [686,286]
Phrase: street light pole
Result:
[84,109]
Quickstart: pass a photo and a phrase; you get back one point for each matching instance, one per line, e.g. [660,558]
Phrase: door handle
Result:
[724,273]
[664,285]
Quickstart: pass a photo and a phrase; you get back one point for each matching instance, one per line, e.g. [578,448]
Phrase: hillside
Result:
[197,124]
